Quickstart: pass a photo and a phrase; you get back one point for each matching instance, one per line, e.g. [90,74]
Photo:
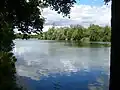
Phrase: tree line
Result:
[78,33]
[75,33]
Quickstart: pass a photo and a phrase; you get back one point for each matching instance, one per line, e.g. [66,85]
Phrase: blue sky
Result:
[84,13]
[91,2]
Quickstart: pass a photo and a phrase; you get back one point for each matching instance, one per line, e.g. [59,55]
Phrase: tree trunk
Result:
[115,46]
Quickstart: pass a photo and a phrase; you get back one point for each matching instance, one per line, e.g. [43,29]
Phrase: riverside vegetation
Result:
[75,33]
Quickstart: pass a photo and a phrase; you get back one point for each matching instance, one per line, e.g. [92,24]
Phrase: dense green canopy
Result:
[75,33]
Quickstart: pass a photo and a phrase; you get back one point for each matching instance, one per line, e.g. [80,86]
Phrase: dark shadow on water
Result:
[93,80]
[87,44]
[80,44]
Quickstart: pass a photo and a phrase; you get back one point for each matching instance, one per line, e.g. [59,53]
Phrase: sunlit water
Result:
[52,65]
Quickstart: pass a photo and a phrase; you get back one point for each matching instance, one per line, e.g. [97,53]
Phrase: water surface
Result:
[52,65]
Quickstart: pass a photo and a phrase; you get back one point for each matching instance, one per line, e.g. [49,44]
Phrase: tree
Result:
[25,15]
[106,34]
[79,33]
[115,46]
[95,32]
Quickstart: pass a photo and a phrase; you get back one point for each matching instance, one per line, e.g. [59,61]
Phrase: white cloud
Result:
[80,14]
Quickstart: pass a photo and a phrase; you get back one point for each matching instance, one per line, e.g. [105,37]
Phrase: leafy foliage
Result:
[26,16]
[78,33]
[7,71]
[7,59]
[6,37]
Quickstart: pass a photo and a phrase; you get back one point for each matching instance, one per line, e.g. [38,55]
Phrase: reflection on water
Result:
[40,63]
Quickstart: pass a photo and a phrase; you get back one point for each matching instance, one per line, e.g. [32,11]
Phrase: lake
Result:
[53,65]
